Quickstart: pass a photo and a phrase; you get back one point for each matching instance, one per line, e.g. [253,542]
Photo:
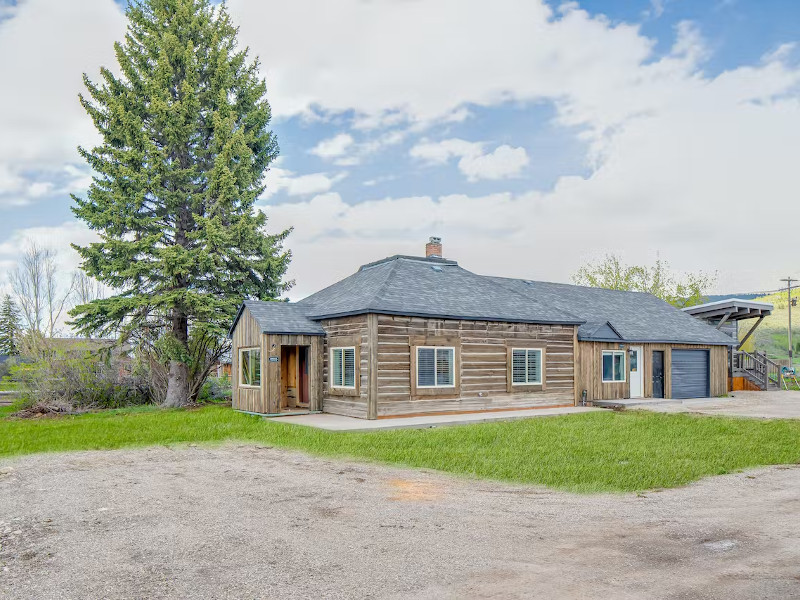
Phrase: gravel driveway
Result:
[252,522]
[774,404]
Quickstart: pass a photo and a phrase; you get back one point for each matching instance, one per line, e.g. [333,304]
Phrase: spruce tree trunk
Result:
[178,380]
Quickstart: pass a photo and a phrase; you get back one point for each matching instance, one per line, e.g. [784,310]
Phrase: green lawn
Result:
[593,452]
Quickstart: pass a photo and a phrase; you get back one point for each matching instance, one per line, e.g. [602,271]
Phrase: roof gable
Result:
[603,331]
[279,318]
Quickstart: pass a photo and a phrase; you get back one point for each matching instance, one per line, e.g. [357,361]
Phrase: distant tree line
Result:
[680,290]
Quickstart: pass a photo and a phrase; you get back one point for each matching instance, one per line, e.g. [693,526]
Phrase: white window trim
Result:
[355,368]
[435,385]
[241,372]
[541,366]
[624,366]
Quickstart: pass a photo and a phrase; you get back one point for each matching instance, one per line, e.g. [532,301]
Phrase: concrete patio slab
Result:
[341,423]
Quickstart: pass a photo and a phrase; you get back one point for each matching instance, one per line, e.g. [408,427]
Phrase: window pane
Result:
[246,374]
[251,367]
[634,361]
[255,366]
[534,366]
[608,366]
[426,368]
[336,366]
[444,366]
[619,366]
[350,367]
[518,366]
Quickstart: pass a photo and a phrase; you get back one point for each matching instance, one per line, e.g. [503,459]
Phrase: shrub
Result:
[75,380]
[216,389]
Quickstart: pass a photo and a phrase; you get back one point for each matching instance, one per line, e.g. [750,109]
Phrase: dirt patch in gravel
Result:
[255,522]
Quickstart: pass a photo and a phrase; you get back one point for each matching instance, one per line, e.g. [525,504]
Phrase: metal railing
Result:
[763,371]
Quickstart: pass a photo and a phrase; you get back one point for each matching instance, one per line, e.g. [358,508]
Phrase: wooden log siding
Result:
[354,330]
[589,369]
[482,365]
[248,335]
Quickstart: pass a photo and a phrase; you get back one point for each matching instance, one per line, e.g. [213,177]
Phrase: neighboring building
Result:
[222,368]
[410,335]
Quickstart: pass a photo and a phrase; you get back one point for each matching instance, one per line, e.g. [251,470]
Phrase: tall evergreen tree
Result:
[10,326]
[185,148]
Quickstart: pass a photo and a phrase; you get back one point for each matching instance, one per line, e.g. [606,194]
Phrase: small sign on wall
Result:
[273,359]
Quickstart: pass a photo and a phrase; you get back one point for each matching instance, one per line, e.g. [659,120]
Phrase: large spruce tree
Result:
[10,326]
[185,147]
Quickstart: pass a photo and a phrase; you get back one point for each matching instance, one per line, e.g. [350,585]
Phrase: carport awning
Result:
[732,309]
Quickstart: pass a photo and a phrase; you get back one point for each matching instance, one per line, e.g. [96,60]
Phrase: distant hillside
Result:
[772,335]
[718,297]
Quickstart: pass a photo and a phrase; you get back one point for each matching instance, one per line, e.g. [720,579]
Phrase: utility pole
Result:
[789,281]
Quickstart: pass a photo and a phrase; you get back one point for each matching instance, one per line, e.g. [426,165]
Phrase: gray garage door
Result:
[690,374]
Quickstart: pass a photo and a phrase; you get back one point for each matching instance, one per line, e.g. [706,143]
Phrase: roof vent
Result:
[433,249]
[436,268]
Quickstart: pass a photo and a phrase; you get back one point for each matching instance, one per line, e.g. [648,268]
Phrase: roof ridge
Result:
[527,298]
[377,295]
[573,285]
[399,257]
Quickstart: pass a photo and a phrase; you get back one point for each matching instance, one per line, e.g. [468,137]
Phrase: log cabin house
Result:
[411,335]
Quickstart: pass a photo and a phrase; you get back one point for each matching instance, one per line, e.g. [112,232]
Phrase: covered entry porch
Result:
[294,374]
[275,371]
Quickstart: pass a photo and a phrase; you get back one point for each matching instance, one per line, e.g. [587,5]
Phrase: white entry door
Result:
[637,372]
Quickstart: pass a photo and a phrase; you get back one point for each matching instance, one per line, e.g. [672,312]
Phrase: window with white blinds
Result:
[435,367]
[526,366]
[343,367]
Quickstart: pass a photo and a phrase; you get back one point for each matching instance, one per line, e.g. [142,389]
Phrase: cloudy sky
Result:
[530,135]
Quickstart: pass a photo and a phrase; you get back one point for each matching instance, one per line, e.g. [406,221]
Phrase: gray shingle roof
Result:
[430,288]
[613,315]
[283,318]
[413,286]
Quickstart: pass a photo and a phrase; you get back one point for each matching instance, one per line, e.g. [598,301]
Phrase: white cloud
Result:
[57,237]
[503,162]
[438,153]
[333,147]
[46,45]
[298,185]
[366,64]
[682,162]
[344,151]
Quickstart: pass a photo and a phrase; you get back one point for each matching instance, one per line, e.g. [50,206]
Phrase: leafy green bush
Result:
[5,369]
[216,389]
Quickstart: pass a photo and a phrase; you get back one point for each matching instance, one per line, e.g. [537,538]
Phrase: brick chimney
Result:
[433,249]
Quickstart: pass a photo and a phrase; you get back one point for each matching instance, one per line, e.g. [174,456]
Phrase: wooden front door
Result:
[302,376]
[658,373]
[295,392]
[288,378]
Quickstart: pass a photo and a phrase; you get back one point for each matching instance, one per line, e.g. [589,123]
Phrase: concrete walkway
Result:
[340,423]
[775,404]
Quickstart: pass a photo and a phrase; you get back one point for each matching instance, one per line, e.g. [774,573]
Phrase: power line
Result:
[789,281]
